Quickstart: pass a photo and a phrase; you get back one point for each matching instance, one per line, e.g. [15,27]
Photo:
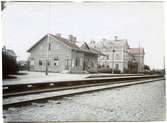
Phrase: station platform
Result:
[27,77]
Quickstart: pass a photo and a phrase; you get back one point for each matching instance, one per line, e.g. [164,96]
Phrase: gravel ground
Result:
[143,102]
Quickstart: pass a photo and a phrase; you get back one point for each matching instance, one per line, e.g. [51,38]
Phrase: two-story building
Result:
[62,54]
[138,56]
[117,54]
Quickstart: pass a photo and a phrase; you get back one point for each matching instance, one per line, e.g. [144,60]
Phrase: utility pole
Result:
[113,61]
[47,42]
[139,59]
[3,5]
[164,62]
[47,48]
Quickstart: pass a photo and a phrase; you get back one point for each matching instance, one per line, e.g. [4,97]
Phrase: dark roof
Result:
[9,52]
[68,43]
[136,50]
[86,48]
[98,52]
[65,41]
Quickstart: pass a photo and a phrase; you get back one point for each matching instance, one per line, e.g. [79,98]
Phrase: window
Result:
[118,56]
[67,63]
[107,57]
[32,62]
[73,62]
[40,62]
[57,47]
[48,63]
[56,61]
[49,46]
[81,61]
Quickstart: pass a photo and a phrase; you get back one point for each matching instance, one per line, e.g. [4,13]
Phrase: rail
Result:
[57,84]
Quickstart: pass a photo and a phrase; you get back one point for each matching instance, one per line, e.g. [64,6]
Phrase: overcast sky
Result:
[23,24]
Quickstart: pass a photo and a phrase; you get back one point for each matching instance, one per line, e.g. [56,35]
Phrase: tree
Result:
[146,68]
[3,5]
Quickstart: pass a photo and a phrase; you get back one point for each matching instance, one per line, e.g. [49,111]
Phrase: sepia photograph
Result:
[83,61]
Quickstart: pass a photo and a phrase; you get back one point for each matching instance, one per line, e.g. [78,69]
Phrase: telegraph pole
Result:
[113,61]
[47,42]
[46,71]
[139,59]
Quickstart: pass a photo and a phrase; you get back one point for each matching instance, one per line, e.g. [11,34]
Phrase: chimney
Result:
[92,42]
[103,39]
[58,34]
[4,48]
[70,37]
[74,39]
[116,38]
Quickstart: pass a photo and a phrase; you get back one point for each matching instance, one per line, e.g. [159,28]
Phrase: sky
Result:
[25,23]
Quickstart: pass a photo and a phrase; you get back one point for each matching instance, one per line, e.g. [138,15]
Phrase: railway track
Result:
[87,85]
[27,88]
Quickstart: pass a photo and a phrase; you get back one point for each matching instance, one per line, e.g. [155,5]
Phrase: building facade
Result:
[138,57]
[118,54]
[59,54]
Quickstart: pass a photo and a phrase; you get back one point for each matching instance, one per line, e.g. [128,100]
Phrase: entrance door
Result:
[85,65]
[117,67]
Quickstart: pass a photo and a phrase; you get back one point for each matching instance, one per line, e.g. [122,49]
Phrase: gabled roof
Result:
[84,48]
[98,52]
[66,41]
[63,40]
[36,44]
[136,50]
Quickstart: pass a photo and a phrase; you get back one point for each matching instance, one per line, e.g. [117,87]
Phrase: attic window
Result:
[57,47]
[49,46]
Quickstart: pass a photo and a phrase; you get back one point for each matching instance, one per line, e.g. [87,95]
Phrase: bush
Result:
[99,66]
[105,70]
[117,71]
[125,70]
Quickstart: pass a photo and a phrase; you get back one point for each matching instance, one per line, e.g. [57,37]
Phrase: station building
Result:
[62,55]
